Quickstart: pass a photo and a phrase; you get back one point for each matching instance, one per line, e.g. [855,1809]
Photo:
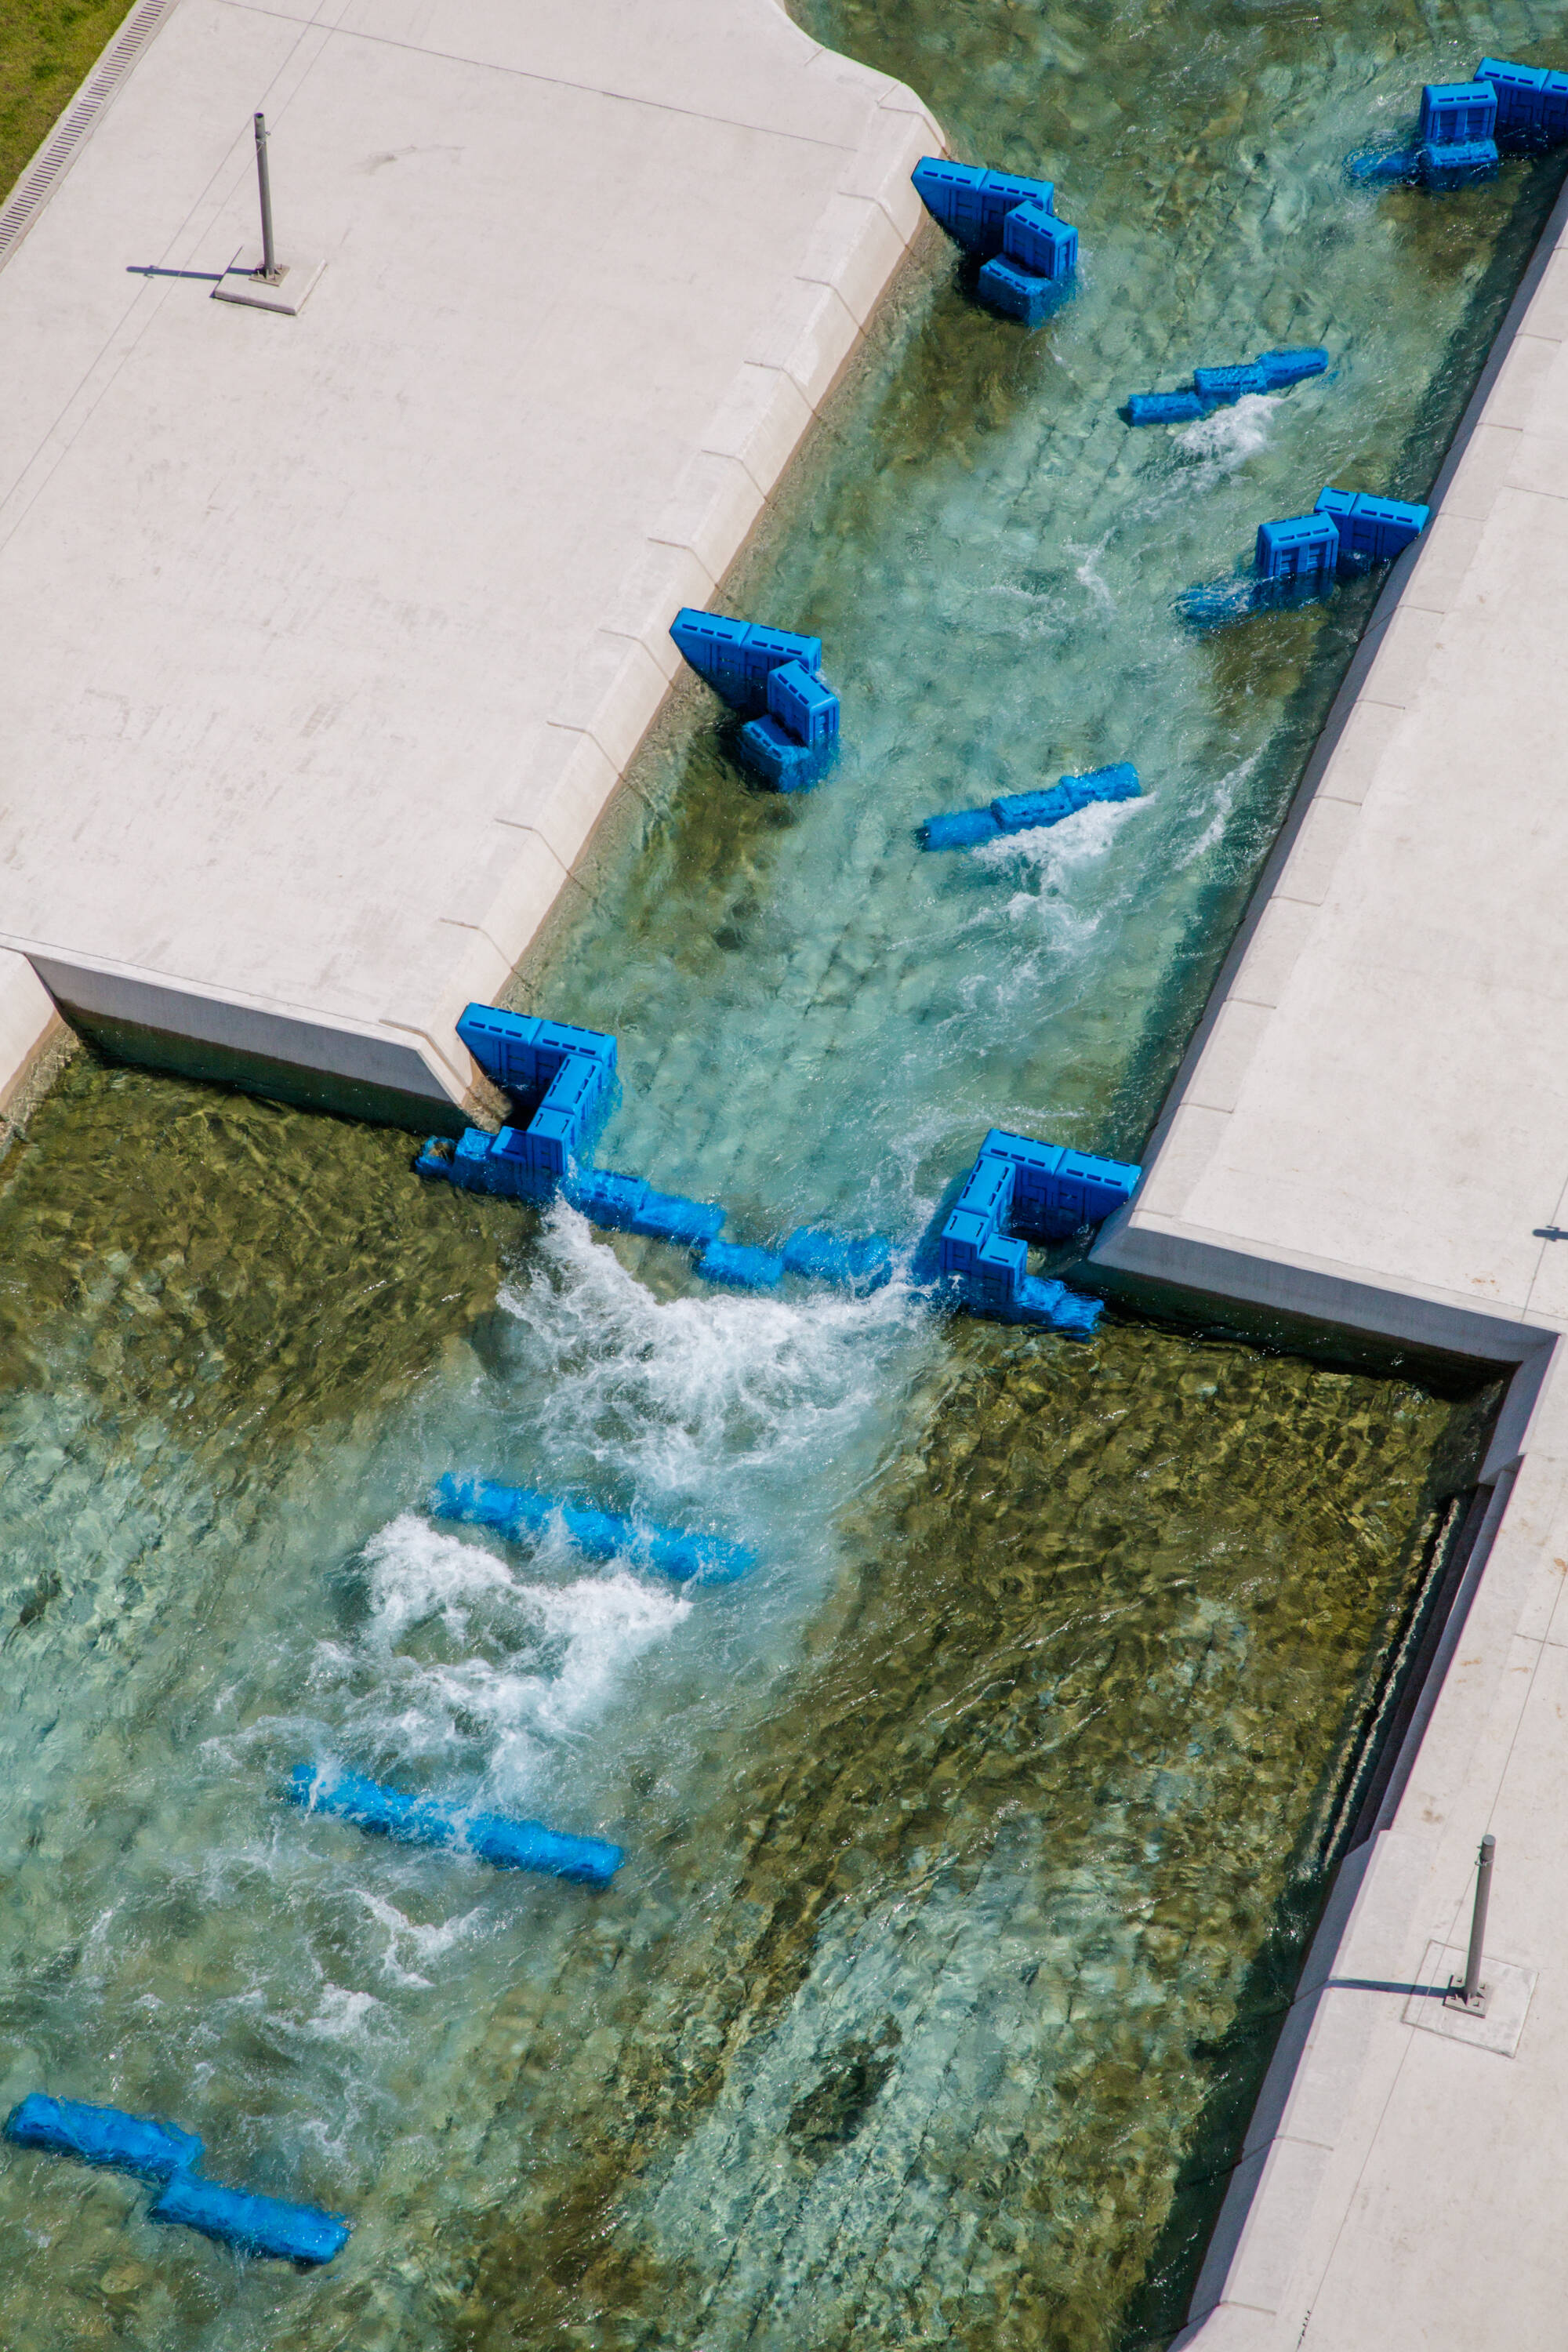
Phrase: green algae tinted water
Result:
[974,1839]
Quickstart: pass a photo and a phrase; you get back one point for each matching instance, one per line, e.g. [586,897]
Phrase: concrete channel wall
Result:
[329,636]
[1369,1138]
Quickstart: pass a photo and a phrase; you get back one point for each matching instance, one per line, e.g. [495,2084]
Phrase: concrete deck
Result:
[1372,1132]
[329,638]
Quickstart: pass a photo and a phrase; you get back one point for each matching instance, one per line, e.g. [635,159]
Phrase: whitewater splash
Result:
[1230,435]
[477,1674]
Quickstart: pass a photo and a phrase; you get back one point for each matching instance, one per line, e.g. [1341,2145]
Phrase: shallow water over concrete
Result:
[973,1841]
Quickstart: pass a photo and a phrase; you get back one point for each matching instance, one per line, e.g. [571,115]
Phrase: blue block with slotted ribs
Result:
[973,203]
[771,751]
[1034,239]
[1164,407]
[736,659]
[1458,163]
[1455,112]
[1221,385]
[1016,292]
[1302,547]
[1520,92]
[1020,1190]
[1216,387]
[1371,530]
[428,1820]
[1025,811]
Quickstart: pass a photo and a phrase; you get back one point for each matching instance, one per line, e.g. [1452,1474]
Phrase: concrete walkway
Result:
[1371,1133]
[328,637]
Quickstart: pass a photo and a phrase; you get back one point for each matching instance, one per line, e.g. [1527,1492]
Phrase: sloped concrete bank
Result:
[332,635]
[1369,1138]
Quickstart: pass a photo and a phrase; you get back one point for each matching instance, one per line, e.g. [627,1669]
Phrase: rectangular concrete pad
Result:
[329,636]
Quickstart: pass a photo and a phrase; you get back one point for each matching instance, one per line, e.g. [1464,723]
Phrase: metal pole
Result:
[268,269]
[1478,1922]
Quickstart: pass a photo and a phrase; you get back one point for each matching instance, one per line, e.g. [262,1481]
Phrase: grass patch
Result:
[46,49]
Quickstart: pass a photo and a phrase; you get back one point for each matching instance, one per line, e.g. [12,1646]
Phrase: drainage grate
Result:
[77,125]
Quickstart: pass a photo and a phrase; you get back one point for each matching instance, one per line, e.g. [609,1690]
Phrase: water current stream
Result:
[974,1839]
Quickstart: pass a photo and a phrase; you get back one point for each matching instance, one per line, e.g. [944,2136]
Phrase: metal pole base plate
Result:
[242,282]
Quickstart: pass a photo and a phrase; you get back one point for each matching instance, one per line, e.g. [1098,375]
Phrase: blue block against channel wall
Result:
[1302,547]
[425,1820]
[518,1511]
[1458,163]
[251,2224]
[971,203]
[142,2145]
[1034,238]
[736,657]
[1371,530]
[1018,292]
[1520,101]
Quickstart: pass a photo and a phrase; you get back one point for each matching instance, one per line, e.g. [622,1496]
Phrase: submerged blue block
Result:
[1459,164]
[1216,602]
[746,1269]
[1293,365]
[424,1821]
[1371,167]
[606,1199]
[1164,407]
[1521,91]
[1221,385]
[776,755]
[668,1217]
[804,707]
[1454,113]
[964,829]
[1017,292]
[1302,547]
[518,1511]
[1034,238]
[142,2145]
[253,2225]
[852,1262]
[1057,1308]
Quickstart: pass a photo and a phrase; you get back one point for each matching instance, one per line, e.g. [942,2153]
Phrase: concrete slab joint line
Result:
[358,784]
[1366,1146]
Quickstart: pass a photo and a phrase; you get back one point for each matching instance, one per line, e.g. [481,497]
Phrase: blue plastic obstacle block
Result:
[736,657]
[1371,167]
[606,1199]
[1219,386]
[803,705]
[771,751]
[253,2225]
[1164,407]
[423,1821]
[1034,238]
[1520,95]
[1459,164]
[1293,365]
[139,2144]
[1371,530]
[964,829]
[1056,1191]
[1455,113]
[1017,292]
[1218,602]
[744,1269]
[522,1056]
[1058,1309]
[860,1263]
[518,1511]
[670,1217]
[973,203]
[1303,547]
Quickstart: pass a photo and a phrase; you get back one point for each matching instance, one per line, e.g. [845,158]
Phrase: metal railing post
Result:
[1471,1994]
[268,269]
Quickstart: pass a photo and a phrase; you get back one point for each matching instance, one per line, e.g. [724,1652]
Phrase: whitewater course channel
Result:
[974,1839]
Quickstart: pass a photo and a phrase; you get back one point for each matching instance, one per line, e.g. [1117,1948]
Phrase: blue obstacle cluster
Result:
[520,1511]
[425,1820]
[165,2155]
[773,679]
[1347,531]
[1217,387]
[1027,256]
[1465,125]
[544,1158]
[1018,1192]
[1025,811]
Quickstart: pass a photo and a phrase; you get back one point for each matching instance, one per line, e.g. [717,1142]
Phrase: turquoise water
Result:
[973,1841]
